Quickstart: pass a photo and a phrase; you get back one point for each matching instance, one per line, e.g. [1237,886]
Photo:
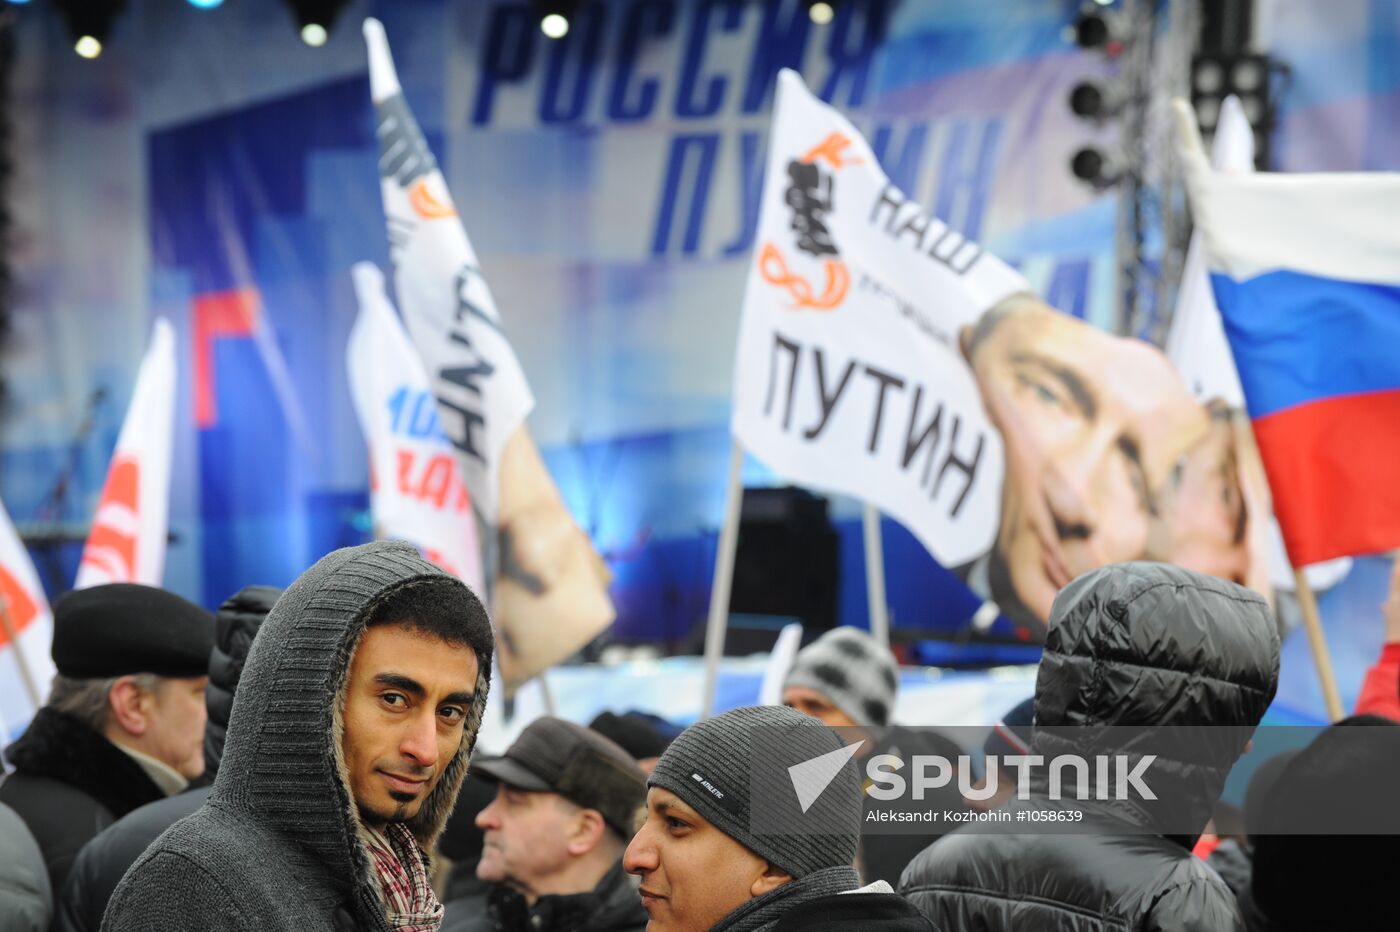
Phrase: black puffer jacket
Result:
[235,625]
[612,906]
[1135,644]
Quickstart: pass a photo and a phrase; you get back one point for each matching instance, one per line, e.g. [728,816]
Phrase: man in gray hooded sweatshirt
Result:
[350,736]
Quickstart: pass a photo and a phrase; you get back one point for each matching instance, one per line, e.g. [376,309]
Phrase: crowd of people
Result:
[306,760]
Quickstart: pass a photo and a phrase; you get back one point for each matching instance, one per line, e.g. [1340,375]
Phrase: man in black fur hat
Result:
[124,722]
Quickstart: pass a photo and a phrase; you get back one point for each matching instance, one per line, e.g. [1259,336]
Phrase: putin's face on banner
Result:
[1094,427]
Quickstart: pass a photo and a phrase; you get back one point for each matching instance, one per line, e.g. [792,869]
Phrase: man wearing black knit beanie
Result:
[740,836]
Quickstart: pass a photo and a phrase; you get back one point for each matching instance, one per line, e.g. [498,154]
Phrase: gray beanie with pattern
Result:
[711,766]
[853,670]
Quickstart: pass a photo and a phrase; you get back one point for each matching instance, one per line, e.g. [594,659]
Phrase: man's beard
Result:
[400,812]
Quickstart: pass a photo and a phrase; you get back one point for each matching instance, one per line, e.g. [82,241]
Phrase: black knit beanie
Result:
[711,766]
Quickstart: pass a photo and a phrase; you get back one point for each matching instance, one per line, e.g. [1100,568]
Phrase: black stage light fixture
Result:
[1096,100]
[1096,166]
[1251,78]
[1097,28]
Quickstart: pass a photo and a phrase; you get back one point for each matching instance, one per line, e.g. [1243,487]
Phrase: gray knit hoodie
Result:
[278,844]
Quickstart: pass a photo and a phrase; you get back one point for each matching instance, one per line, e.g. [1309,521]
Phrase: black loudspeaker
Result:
[787,563]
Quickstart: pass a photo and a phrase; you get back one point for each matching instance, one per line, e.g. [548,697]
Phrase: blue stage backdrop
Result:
[211,168]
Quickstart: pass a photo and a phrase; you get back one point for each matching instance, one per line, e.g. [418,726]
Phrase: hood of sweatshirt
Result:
[282,762]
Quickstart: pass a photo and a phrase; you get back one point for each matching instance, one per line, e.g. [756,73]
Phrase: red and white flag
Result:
[25,665]
[128,537]
[416,493]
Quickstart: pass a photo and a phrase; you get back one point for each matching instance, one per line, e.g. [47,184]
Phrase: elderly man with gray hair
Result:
[124,722]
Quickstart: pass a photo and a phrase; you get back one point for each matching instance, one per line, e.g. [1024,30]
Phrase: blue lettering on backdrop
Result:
[902,169]
[687,107]
[506,55]
[705,146]
[852,65]
[585,37]
[777,34]
[648,18]
[965,180]
[751,159]
[782,41]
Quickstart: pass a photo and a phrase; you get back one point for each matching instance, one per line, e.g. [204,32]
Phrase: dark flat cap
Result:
[123,628]
[555,756]
[634,732]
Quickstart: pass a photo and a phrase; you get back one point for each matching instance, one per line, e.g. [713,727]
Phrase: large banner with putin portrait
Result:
[884,355]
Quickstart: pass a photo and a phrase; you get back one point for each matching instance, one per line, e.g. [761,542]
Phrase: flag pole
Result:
[1313,623]
[723,578]
[11,635]
[875,575]
[545,693]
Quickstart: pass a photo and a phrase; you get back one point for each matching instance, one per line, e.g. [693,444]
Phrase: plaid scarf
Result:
[409,902]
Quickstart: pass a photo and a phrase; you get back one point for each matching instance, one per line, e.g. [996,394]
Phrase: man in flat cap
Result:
[566,802]
[124,723]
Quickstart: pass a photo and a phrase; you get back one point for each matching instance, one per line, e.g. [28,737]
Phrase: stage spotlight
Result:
[315,18]
[1097,167]
[206,4]
[556,16]
[89,22]
[821,12]
[554,25]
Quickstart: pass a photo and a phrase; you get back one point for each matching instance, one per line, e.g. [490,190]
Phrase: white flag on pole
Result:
[416,492]
[127,542]
[548,586]
[480,387]
[31,621]
[1196,342]
[849,376]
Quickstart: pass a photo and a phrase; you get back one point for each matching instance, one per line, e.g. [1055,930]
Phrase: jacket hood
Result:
[1152,646]
[282,763]
[236,623]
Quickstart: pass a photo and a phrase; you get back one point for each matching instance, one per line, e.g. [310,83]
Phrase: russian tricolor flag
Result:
[1306,271]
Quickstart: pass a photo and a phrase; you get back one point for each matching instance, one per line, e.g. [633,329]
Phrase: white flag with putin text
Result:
[849,376]
[547,585]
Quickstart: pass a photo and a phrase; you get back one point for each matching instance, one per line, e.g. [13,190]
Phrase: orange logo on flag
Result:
[774,269]
[18,602]
[425,203]
[111,546]
[809,197]
[832,148]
